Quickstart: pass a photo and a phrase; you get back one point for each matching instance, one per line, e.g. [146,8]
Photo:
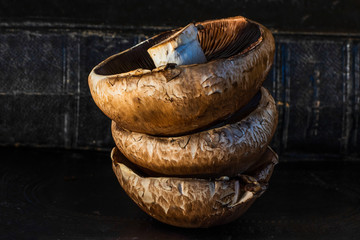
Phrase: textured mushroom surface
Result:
[222,150]
[192,202]
[174,100]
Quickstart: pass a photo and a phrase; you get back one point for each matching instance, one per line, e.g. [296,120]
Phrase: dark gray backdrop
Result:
[48,48]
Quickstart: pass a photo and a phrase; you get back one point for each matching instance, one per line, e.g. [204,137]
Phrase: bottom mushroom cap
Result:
[193,202]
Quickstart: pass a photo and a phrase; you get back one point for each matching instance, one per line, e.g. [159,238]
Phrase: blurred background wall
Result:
[48,48]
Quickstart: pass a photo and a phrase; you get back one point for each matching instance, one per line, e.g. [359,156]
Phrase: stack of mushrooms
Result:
[191,120]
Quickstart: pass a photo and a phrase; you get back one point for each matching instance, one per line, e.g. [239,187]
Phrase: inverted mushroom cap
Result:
[191,202]
[226,149]
[174,100]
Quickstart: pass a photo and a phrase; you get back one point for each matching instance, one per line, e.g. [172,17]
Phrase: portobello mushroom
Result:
[193,202]
[228,148]
[172,99]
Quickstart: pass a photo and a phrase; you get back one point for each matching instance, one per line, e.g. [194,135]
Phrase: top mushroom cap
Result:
[176,99]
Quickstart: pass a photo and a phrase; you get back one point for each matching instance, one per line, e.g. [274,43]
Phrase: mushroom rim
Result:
[118,158]
[233,118]
[238,154]
[164,35]
[258,100]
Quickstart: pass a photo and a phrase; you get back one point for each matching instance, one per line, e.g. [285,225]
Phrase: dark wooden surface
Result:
[59,194]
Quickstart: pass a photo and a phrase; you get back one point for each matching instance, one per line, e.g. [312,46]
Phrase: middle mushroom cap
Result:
[219,151]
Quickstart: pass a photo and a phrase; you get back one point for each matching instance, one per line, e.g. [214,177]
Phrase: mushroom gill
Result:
[218,39]
[223,39]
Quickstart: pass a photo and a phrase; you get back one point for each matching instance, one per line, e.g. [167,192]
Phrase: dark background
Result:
[281,15]
[48,48]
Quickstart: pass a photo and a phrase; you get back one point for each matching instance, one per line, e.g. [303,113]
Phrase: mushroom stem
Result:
[182,48]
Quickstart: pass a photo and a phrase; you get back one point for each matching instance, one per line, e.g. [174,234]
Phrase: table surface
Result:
[63,194]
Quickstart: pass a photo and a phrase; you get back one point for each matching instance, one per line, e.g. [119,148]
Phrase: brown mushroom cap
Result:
[173,100]
[222,150]
[191,202]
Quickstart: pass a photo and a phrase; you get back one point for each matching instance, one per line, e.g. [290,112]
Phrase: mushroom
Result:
[228,148]
[193,202]
[172,99]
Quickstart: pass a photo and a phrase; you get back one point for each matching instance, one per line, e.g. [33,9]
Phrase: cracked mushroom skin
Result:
[191,202]
[177,99]
[224,150]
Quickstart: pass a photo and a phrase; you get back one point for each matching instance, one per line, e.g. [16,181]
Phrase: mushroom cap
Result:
[229,148]
[173,100]
[192,202]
